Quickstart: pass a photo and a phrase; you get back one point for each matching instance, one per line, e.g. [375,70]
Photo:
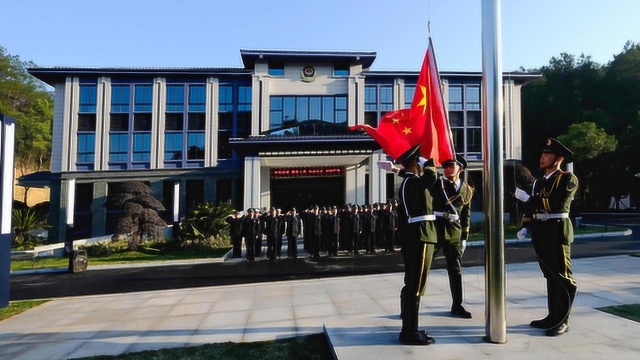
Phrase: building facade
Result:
[271,133]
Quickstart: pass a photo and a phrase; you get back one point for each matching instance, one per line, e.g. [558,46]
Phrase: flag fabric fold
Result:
[425,123]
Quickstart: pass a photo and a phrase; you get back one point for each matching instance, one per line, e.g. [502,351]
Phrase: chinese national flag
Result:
[425,123]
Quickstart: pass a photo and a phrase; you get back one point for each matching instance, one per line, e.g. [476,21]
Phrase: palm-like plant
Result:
[205,221]
[24,222]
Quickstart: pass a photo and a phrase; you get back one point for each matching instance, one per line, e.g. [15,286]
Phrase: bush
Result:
[24,222]
[104,249]
[205,227]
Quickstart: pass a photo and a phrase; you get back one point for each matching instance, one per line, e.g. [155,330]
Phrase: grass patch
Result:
[310,347]
[630,311]
[18,307]
[144,255]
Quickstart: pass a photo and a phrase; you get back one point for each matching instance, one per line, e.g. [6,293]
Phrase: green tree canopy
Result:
[26,99]
[587,141]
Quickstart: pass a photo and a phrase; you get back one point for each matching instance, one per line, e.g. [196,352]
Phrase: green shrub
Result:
[25,221]
[205,227]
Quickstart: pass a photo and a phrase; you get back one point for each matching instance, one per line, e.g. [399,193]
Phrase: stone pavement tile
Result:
[233,303]
[261,315]
[316,311]
[270,331]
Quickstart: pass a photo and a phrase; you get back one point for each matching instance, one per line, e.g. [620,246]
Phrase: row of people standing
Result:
[272,224]
[353,228]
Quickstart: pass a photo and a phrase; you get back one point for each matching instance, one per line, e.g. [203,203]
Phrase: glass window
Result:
[173,146]
[197,95]
[142,122]
[225,100]
[341,70]
[118,147]
[88,96]
[195,144]
[86,147]
[276,69]
[143,98]
[473,97]
[474,140]
[120,98]
[456,118]
[301,108]
[174,122]
[175,98]
[455,98]
[244,98]
[386,98]
[119,122]
[370,98]
[196,121]
[409,91]
[474,118]
[86,122]
[142,147]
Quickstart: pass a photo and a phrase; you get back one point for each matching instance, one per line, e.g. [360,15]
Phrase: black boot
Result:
[455,283]
[546,322]
[410,334]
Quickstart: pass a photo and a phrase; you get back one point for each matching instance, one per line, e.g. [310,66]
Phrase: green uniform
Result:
[547,216]
[452,207]
[418,237]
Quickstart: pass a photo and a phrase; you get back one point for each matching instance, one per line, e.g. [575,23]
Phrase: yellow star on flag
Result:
[423,100]
[407,131]
[395,120]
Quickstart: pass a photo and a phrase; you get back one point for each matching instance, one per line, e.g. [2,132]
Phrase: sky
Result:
[210,33]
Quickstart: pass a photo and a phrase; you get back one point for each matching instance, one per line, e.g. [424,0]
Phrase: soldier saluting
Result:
[547,216]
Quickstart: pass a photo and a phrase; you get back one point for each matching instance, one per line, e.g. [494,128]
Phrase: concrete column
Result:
[354,183]
[377,178]
[98,210]
[252,182]
[7,145]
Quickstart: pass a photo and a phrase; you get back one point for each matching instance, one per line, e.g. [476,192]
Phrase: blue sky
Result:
[171,33]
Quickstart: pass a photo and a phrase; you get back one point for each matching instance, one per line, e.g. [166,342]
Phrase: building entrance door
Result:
[304,192]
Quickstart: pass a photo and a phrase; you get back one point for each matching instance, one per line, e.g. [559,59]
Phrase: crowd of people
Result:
[352,229]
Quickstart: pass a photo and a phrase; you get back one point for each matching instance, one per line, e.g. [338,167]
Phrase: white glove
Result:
[521,195]
[463,245]
[453,217]
[421,161]
[522,233]
[385,165]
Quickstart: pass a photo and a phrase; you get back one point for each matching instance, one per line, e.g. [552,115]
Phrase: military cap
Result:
[249,210]
[459,159]
[553,146]
[413,152]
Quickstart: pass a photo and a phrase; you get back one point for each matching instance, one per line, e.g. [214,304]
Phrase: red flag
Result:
[425,123]
[427,108]
[396,132]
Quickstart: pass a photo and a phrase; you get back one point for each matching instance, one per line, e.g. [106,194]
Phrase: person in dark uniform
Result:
[263,225]
[235,232]
[315,221]
[250,231]
[418,233]
[294,227]
[281,229]
[389,226]
[368,229]
[356,229]
[452,207]
[333,230]
[271,230]
[547,217]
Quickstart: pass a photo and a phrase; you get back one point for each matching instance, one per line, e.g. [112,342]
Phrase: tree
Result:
[26,99]
[589,144]
[140,219]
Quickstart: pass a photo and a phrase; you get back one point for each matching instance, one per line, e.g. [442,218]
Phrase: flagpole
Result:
[493,197]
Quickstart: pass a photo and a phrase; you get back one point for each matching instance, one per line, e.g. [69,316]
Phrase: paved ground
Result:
[359,314]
